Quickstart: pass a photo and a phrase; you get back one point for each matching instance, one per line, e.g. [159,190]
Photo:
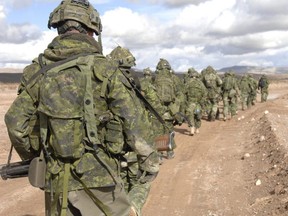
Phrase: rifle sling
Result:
[146,102]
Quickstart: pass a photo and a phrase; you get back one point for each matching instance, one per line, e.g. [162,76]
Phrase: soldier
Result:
[252,97]
[230,92]
[245,89]
[148,78]
[137,190]
[196,94]
[213,84]
[166,91]
[263,85]
[66,98]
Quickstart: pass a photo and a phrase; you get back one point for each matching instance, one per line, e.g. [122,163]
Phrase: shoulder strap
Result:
[45,68]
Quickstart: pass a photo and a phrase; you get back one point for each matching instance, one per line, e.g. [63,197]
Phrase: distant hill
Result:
[256,70]
[10,77]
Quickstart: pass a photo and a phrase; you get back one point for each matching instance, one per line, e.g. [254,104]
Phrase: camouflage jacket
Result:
[117,97]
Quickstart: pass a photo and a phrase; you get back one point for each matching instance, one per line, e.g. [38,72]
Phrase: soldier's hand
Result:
[145,177]
[178,119]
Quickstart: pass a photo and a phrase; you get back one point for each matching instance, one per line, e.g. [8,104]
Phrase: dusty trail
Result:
[209,176]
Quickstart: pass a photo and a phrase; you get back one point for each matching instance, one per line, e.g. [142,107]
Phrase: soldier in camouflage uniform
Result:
[213,84]
[165,87]
[263,85]
[252,97]
[245,89]
[83,179]
[147,79]
[230,92]
[137,190]
[196,94]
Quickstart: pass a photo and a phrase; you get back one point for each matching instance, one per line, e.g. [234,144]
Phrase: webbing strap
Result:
[45,68]
[64,205]
[105,209]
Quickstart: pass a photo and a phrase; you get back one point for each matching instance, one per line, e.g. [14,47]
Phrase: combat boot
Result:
[197,131]
[192,131]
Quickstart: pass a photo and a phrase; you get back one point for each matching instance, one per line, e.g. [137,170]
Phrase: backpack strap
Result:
[44,68]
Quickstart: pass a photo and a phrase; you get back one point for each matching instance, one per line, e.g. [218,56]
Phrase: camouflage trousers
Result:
[230,105]
[194,114]
[264,95]
[212,109]
[80,203]
[244,101]
[137,192]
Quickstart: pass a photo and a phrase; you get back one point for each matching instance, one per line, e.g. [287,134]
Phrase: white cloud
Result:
[188,33]
[19,55]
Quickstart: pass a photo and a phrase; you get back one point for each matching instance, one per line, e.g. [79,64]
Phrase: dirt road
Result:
[232,168]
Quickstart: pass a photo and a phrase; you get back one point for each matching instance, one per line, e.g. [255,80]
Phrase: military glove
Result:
[178,118]
[145,177]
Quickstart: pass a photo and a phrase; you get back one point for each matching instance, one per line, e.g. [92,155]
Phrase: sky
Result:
[187,33]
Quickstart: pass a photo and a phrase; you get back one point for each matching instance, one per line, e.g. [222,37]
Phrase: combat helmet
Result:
[123,57]
[163,64]
[147,71]
[192,72]
[79,14]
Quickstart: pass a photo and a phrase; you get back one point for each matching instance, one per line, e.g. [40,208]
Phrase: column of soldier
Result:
[88,126]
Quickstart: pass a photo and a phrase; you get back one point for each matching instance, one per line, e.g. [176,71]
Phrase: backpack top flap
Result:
[165,88]
[63,88]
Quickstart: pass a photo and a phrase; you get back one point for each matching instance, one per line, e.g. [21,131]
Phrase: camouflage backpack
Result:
[165,88]
[194,88]
[262,82]
[228,83]
[210,80]
[66,107]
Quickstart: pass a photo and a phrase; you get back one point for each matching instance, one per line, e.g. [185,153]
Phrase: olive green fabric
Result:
[76,10]
[195,94]
[252,97]
[245,89]
[111,91]
[263,85]
[213,84]
[230,92]
[80,204]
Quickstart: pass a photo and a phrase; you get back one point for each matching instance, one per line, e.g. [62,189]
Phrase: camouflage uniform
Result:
[147,79]
[263,85]
[253,93]
[180,97]
[195,93]
[94,173]
[213,84]
[171,108]
[245,89]
[230,91]
[137,189]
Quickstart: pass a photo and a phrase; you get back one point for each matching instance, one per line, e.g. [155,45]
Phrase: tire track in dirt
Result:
[189,184]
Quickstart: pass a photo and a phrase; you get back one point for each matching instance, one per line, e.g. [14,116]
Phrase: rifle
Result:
[15,170]
[186,119]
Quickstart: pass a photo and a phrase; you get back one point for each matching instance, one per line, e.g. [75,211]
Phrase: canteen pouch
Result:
[37,171]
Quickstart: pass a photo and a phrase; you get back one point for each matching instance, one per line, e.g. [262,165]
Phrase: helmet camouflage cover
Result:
[163,64]
[192,72]
[80,11]
[147,71]
[123,57]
